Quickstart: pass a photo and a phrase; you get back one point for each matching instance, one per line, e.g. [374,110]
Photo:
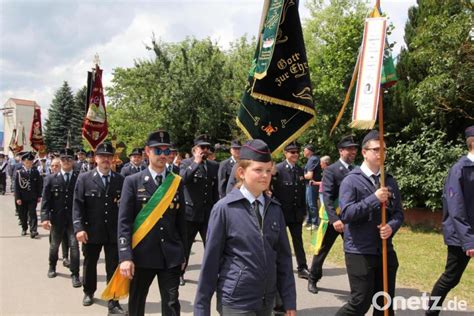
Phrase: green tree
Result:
[76,117]
[332,35]
[59,118]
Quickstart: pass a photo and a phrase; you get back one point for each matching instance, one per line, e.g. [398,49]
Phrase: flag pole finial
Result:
[96,60]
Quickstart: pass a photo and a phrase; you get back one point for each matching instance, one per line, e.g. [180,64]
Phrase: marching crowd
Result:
[147,216]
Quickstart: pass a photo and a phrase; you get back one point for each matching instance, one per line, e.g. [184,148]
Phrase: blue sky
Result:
[46,42]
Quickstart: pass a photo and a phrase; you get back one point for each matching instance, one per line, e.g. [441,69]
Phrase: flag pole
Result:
[384,206]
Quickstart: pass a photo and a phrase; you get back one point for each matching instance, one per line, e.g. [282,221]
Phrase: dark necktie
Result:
[67,179]
[255,207]
[376,179]
[106,182]
[158,179]
[350,167]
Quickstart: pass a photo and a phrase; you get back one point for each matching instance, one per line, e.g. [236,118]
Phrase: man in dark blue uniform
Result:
[458,224]
[135,165]
[312,174]
[200,191]
[90,162]
[289,189]
[56,214]
[161,253]
[225,167]
[81,159]
[171,163]
[360,198]
[332,178]
[95,214]
[28,188]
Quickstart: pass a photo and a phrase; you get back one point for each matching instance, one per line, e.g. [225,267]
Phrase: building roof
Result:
[24,102]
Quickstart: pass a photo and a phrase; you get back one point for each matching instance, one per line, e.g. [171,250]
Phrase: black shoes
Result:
[279,310]
[33,235]
[51,272]
[23,232]
[76,282]
[88,300]
[303,273]
[66,262]
[312,287]
[115,308]
[182,282]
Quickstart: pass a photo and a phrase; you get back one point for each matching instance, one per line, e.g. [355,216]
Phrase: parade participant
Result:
[212,154]
[458,224]
[56,214]
[248,257]
[3,173]
[81,159]
[42,167]
[95,214]
[225,167]
[90,162]
[161,252]
[331,225]
[28,187]
[312,174]
[135,165]
[55,166]
[200,191]
[289,190]
[360,199]
[172,165]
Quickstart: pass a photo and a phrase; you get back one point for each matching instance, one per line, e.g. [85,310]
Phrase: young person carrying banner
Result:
[360,198]
[153,197]
[247,258]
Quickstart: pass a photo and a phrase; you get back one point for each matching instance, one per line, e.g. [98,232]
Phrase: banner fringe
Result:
[362,124]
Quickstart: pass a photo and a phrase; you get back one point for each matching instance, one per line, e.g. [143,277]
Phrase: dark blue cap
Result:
[90,154]
[66,153]
[256,150]
[292,146]
[105,148]
[235,144]
[469,132]
[202,140]
[81,151]
[28,156]
[310,147]
[158,138]
[347,141]
[372,135]
[136,151]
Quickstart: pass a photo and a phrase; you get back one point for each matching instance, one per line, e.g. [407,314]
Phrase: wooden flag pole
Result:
[383,206]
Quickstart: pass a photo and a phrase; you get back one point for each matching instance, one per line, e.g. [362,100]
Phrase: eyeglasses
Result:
[376,149]
[63,159]
[294,152]
[204,147]
[158,151]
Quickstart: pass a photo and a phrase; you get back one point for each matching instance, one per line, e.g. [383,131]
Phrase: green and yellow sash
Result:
[148,216]
[318,236]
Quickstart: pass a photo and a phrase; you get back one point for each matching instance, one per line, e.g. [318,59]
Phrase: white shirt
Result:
[63,173]
[345,164]
[249,196]
[154,174]
[101,176]
[470,157]
[369,172]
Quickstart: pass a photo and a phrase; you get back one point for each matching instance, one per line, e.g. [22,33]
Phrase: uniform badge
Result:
[147,178]
[141,190]
[451,192]
[122,241]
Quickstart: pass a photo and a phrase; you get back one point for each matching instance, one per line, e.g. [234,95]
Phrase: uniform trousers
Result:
[27,215]
[57,234]
[3,182]
[192,228]
[365,279]
[91,254]
[456,263]
[330,236]
[168,283]
[266,310]
[296,231]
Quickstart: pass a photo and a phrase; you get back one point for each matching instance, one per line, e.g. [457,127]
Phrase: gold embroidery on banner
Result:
[304,94]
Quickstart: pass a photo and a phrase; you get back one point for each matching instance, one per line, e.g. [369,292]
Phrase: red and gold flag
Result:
[36,132]
[95,128]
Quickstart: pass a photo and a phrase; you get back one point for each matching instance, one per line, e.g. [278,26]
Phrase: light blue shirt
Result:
[249,196]
[101,176]
[154,174]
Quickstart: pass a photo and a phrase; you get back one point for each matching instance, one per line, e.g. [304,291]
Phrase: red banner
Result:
[36,132]
[95,128]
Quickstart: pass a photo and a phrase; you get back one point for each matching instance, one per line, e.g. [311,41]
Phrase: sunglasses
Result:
[158,151]
[204,147]
[293,152]
[66,159]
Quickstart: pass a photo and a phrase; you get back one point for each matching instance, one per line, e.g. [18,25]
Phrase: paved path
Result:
[26,290]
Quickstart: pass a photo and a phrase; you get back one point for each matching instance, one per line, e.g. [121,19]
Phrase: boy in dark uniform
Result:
[161,252]
[135,165]
[28,188]
[225,167]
